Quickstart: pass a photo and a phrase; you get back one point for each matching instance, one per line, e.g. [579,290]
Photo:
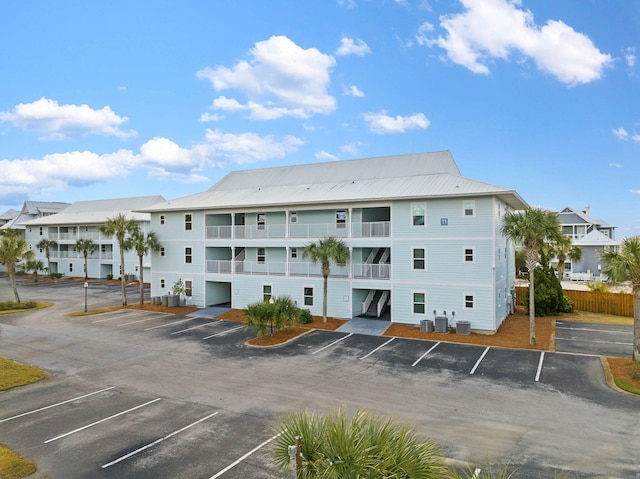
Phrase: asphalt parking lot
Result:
[139,394]
[613,340]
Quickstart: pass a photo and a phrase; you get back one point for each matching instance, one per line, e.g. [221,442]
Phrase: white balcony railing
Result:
[375,229]
[298,268]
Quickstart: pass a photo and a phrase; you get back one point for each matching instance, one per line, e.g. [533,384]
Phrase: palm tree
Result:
[47,245]
[120,226]
[34,265]
[142,243]
[326,251]
[87,247]
[532,228]
[624,265]
[13,250]
[564,249]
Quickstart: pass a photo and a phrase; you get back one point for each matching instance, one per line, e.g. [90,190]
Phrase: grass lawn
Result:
[13,466]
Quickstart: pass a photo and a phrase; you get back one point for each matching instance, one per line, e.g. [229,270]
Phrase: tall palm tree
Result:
[532,228]
[142,243]
[325,251]
[624,265]
[120,226]
[47,245]
[563,250]
[87,247]
[13,250]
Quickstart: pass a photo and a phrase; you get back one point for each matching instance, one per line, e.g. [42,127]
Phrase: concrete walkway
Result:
[210,312]
[372,327]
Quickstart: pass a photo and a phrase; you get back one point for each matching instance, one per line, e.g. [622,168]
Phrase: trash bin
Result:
[442,324]
[426,326]
[463,327]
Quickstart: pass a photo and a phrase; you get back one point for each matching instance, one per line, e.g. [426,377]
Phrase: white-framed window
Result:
[469,208]
[188,255]
[261,219]
[468,255]
[468,301]
[308,296]
[261,255]
[419,259]
[162,283]
[293,217]
[188,287]
[266,292]
[419,302]
[162,251]
[161,219]
[70,267]
[294,253]
[341,219]
[188,222]
[41,231]
[418,214]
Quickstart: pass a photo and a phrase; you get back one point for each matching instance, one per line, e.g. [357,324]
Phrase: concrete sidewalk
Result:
[372,327]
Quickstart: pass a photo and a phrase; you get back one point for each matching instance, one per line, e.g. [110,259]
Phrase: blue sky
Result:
[115,99]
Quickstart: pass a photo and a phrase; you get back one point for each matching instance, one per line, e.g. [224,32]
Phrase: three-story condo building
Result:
[423,240]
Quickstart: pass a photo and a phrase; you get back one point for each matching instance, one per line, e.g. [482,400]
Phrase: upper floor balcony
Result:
[74,236]
[375,229]
[277,268]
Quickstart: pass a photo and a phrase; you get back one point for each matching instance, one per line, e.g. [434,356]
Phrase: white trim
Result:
[464,208]
[424,214]
[413,302]
[413,258]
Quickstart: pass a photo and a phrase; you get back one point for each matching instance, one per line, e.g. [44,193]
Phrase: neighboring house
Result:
[32,210]
[83,220]
[592,235]
[8,216]
[422,238]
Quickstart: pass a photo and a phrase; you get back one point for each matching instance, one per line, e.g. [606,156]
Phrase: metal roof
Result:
[421,175]
[99,211]
[595,238]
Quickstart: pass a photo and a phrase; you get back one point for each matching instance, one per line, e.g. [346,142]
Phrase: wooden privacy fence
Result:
[618,304]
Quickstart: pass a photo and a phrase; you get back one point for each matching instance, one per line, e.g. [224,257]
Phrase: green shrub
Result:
[635,372]
[567,304]
[273,315]
[304,317]
[12,305]
[548,293]
[56,275]
[109,276]
[598,287]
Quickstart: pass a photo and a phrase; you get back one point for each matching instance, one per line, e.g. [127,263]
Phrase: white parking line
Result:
[168,324]
[379,347]
[197,327]
[335,342]
[540,366]
[610,331]
[421,357]
[235,463]
[120,316]
[223,332]
[100,421]
[480,359]
[56,404]
[138,321]
[593,341]
[133,453]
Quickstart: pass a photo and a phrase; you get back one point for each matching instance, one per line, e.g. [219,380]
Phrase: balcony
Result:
[376,229]
[277,268]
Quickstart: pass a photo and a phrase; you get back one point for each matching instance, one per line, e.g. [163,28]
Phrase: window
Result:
[468,255]
[418,258]
[308,296]
[341,219]
[188,287]
[419,303]
[161,219]
[293,217]
[162,283]
[70,267]
[468,301]
[188,255]
[418,214]
[294,253]
[162,251]
[188,222]
[261,255]
[469,208]
[262,219]
[266,292]
[41,231]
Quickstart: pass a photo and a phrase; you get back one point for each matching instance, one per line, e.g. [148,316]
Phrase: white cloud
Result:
[493,29]
[635,192]
[351,148]
[206,117]
[59,122]
[621,133]
[162,159]
[382,123]
[353,90]
[323,155]
[349,46]
[347,4]
[281,79]
[616,165]
[630,57]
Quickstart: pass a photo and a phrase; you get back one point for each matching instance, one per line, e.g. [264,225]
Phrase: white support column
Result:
[233,257]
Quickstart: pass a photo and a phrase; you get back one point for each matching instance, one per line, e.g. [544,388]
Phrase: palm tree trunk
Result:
[532,308]
[86,269]
[122,282]
[11,271]
[324,299]
[636,324]
[141,282]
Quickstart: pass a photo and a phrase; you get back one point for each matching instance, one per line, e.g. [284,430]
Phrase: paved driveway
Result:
[613,340]
[139,394]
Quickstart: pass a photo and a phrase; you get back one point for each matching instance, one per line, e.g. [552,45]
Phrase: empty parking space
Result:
[592,338]
[511,364]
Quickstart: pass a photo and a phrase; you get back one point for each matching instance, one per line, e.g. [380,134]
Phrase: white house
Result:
[32,210]
[423,239]
[83,220]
